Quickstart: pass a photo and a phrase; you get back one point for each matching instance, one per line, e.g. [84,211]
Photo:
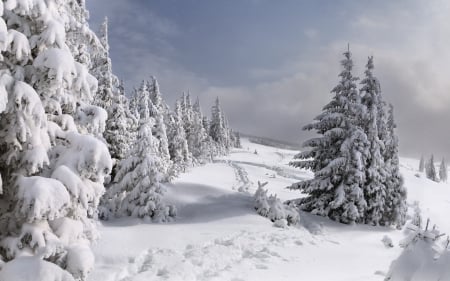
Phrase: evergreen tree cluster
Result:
[430,169]
[68,130]
[355,157]
[160,145]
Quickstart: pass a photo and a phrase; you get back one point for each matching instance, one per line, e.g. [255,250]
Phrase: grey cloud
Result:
[409,40]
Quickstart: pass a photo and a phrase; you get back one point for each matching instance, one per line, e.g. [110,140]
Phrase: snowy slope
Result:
[218,235]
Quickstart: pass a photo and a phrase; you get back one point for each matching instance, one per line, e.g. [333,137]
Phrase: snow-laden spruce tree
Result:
[158,113]
[237,142]
[383,181]
[210,147]
[193,127]
[120,130]
[430,169]
[102,70]
[228,133]
[338,157]
[375,189]
[52,167]
[136,189]
[198,138]
[443,171]
[217,129]
[421,164]
[111,97]
[395,202]
[178,146]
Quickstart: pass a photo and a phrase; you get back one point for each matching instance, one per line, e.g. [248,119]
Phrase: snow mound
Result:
[272,208]
[32,268]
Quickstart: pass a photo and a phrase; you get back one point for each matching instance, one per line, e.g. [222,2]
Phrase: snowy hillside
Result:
[218,235]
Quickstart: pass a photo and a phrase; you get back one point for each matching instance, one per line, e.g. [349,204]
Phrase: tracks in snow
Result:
[242,177]
[240,174]
[227,258]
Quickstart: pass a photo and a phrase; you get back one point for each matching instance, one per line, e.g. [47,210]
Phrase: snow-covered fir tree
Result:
[137,190]
[197,138]
[210,145]
[422,164]
[102,69]
[217,129]
[375,189]
[111,97]
[237,142]
[443,171]
[384,191]
[178,146]
[430,169]
[395,202]
[52,167]
[355,160]
[338,156]
[228,133]
[121,126]
[158,113]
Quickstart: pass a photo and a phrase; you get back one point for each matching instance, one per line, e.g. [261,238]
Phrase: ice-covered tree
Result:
[443,171]
[430,169]
[338,156]
[52,167]
[136,189]
[421,164]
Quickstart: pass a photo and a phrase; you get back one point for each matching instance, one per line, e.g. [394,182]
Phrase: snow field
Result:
[218,235]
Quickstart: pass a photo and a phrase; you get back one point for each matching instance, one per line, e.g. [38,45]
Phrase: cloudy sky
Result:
[273,63]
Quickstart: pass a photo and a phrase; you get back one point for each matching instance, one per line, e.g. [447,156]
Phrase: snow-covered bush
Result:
[272,207]
[424,257]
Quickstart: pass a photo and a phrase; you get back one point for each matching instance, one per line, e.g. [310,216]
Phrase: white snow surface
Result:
[219,236]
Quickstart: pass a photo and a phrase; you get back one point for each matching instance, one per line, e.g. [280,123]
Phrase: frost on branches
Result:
[355,158]
[52,168]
